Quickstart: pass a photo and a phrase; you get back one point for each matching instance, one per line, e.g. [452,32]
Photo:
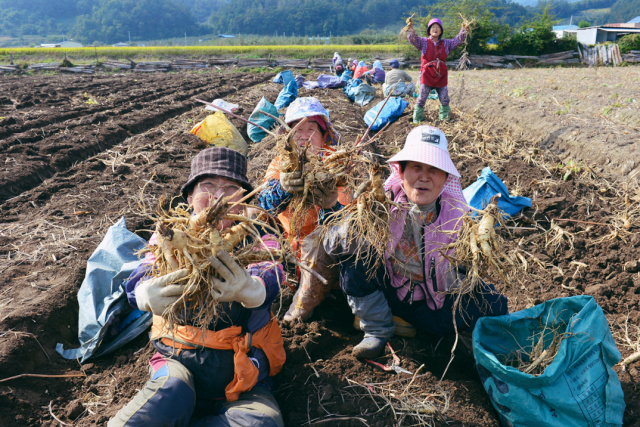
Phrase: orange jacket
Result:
[311,219]
[268,339]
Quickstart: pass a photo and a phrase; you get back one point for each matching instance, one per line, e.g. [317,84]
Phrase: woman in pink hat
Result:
[417,281]
[433,69]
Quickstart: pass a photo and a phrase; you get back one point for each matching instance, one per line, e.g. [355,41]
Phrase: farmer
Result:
[375,74]
[398,80]
[219,376]
[320,135]
[417,282]
[434,73]
[338,65]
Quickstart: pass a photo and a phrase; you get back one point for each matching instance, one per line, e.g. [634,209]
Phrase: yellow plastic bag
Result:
[218,131]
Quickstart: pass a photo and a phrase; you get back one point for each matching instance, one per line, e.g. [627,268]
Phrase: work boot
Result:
[445,112]
[418,114]
[369,348]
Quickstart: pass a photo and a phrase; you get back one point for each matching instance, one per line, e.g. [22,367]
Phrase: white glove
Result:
[237,284]
[155,295]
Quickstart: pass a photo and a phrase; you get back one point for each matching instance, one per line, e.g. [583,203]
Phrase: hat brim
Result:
[429,155]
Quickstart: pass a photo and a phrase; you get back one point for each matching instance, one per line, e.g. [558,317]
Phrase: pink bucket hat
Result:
[428,145]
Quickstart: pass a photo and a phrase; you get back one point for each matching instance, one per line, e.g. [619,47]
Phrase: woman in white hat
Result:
[418,279]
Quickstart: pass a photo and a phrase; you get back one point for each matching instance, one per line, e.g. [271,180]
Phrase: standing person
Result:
[320,135]
[399,80]
[218,376]
[434,73]
[416,282]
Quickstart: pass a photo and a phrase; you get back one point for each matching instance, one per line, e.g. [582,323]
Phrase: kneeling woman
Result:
[418,283]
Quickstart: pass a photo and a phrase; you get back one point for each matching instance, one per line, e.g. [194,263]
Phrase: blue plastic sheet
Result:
[488,185]
[255,133]
[390,113]
[578,388]
[283,77]
[106,321]
[287,95]
[358,92]
[326,81]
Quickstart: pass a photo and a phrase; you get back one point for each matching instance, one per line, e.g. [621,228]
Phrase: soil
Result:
[70,169]
[588,115]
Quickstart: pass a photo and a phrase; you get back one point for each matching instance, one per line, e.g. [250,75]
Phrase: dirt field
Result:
[77,153]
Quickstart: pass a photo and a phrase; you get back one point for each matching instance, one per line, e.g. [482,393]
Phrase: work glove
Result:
[325,198]
[236,284]
[156,294]
[292,182]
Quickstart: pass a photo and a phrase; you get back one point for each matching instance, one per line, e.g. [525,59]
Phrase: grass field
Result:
[152,52]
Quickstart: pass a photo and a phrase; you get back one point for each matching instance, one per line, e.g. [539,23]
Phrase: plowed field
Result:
[79,152]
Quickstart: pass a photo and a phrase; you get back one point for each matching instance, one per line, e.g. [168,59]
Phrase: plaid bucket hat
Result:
[218,161]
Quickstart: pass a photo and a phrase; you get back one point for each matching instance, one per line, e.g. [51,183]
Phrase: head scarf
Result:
[378,65]
[312,108]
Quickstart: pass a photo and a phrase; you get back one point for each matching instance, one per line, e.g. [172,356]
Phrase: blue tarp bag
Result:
[358,92]
[255,133]
[350,88]
[579,387]
[346,76]
[283,77]
[106,321]
[287,95]
[488,185]
[326,81]
[390,113]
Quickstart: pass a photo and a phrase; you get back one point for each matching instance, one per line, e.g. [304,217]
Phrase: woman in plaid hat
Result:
[425,188]
[219,376]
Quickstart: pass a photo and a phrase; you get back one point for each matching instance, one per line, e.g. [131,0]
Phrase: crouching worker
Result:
[398,81]
[320,135]
[416,283]
[218,376]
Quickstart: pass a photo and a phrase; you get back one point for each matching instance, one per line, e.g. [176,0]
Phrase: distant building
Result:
[62,44]
[226,36]
[606,33]
[563,30]
[635,20]
[121,45]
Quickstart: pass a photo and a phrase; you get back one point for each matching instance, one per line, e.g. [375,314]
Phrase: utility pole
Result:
[570,22]
[129,36]
[185,38]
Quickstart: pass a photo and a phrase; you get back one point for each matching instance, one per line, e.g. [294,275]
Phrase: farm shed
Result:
[595,35]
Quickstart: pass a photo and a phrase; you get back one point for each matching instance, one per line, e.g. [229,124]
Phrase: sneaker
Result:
[369,348]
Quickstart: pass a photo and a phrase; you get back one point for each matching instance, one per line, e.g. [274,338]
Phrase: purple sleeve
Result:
[272,276]
[416,40]
[135,278]
[450,44]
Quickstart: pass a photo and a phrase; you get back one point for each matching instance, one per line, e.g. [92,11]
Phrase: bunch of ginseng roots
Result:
[327,171]
[185,241]
[481,252]
[363,224]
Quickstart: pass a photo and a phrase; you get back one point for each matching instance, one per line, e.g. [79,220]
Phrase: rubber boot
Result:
[375,320]
[418,114]
[445,112]
[311,291]
[370,348]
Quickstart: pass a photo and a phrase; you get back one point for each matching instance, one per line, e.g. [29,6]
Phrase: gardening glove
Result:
[325,198]
[155,295]
[292,182]
[236,284]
